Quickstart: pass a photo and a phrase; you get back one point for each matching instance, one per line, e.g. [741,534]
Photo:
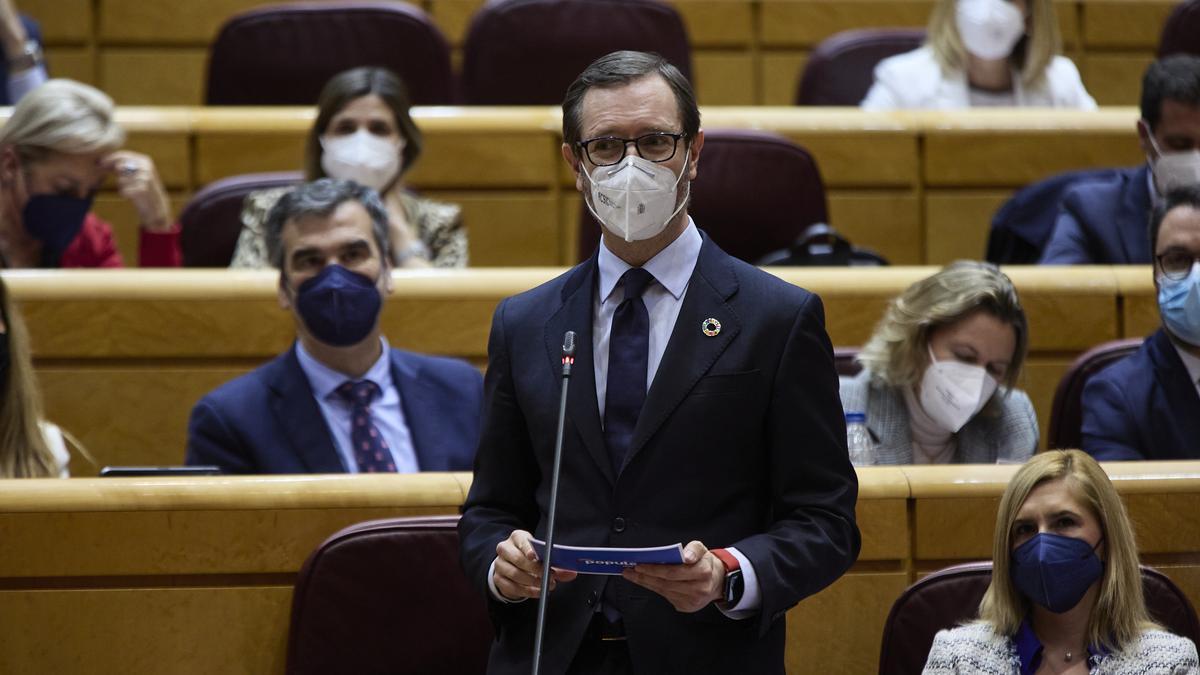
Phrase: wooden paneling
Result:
[73,63]
[840,628]
[62,21]
[804,23]
[780,75]
[182,23]
[724,78]
[1139,300]
[957,223]
[509,228]
[1115,79]
[1124,24]
[159,76]
[1040,381]
[453,17]
[717,23]
[886,221]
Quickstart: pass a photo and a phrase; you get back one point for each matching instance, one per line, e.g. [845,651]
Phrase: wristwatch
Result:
[735,585]
[31,55]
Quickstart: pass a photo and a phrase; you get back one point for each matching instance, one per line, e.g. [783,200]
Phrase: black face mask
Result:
[55,221]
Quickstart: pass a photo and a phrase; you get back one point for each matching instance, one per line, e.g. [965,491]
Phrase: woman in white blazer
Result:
[983,53]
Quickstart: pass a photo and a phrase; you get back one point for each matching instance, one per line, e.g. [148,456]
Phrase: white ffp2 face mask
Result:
[635,199]
[362,157]
[1174,170]
[952,392]
[989,28]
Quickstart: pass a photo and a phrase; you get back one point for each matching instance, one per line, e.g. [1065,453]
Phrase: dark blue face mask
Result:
[1055,571]
[339,307]
[55,221]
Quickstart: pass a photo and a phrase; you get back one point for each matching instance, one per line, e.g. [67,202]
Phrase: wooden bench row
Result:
[124,355]
[195,575]
[919,187]
[745,52]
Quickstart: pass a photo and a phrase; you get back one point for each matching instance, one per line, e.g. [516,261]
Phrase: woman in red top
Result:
[57,149]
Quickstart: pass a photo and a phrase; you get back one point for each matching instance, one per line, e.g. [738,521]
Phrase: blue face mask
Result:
[1179,305]
[1054,571]
[339,307]
[55,221]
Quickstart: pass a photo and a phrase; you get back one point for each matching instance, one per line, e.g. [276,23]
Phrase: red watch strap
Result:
[727,559]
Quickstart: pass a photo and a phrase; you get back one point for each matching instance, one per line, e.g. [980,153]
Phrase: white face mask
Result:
[1174,169]
[989,28]
[952,392]
[635,199]
[362,157]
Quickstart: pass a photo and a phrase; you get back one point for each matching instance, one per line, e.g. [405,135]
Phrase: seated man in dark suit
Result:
[1103,222]
[340,400]
[1148,405]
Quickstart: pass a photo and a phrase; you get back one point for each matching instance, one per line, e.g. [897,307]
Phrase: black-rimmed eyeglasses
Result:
[1176,265]
[608,150]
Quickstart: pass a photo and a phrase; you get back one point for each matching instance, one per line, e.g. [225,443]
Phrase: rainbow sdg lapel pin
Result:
[711,327]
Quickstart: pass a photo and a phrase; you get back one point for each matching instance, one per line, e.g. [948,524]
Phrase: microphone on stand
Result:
[568,359]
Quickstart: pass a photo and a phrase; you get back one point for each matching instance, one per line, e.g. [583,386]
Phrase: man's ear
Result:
[694,155]
[389,283]
[10,165]
[574,162]
[285,297]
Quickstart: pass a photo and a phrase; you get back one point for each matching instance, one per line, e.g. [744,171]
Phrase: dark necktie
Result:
[371,452]
[628,351]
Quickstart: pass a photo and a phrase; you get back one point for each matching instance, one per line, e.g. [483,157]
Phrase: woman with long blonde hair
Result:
[980,53]
[30,447]
[1066,591]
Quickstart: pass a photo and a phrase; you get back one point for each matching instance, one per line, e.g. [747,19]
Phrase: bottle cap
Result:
[856,418]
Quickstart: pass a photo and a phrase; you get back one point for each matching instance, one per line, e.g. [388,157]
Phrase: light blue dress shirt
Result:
[386,411]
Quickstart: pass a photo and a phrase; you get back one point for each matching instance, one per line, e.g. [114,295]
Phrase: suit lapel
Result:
[575,313]
[1179,391]
[420,413]
[1134,207]
[299,417]
[690,353]
[887,420]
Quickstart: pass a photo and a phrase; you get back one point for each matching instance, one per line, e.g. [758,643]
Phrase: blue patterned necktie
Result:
[371,451]
[628,353]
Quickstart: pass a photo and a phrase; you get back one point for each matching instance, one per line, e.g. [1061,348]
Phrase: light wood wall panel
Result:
[780,75]
[958,223]
[73,63]
[1115,78]
[1124,24]
[154,76]
[724,77]
[886,221]
[509,228]
[62,21]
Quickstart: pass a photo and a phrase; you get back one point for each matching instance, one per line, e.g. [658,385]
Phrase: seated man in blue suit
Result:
[340,400]
[1103,222]
[1148,405]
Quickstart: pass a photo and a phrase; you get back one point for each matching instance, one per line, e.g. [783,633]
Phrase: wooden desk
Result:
[124,355]
[744,52]
[198,572]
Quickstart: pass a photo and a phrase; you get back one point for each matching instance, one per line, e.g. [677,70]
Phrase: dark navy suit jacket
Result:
[267,420]
[1104,222]
[1143,407]
[741,442]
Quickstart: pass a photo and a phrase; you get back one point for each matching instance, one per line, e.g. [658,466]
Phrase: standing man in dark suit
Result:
[340,400]
[1103,222]
[703,410]
[1148,405]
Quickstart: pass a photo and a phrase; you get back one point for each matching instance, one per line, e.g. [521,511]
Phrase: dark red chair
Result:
[841,69]
[527,52]
[1066,414]
[951,596]
[388,596]
[1181,32]
[754,193]
[284,54]
[843,360]
[211,221]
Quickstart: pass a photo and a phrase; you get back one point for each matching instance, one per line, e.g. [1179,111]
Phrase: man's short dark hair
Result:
[1184,196]
[619,68]
[1174,77]
[321,198]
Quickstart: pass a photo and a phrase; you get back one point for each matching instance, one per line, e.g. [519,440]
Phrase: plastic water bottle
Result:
[858,440]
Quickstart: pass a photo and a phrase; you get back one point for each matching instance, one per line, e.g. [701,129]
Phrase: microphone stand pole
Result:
[568,359]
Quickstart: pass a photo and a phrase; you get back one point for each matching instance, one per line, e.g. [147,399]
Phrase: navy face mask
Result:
[55,221]
[1055,571]
[339,307]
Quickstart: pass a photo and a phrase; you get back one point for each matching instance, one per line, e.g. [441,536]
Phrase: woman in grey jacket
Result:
[939,375]
[1066,593]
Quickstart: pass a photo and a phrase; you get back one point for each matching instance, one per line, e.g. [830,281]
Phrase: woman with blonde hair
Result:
[983,53]
[940,372]
[56,150]
[1066,591]
[30,447]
